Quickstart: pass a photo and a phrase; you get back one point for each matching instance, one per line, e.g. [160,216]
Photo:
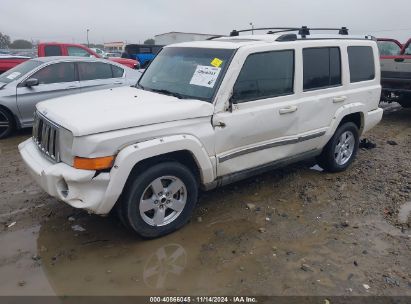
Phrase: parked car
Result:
[205,114]
[100,52]
[22,87]
[389,47]
[396,75]
[143,53]
[10,61]
[78,50]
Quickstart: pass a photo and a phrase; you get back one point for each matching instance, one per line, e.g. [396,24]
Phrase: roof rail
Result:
[304,31]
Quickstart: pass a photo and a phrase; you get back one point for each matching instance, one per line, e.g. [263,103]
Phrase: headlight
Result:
[66,146]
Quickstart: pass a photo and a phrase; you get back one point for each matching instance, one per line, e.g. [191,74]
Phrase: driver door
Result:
[263,125]
[54,80]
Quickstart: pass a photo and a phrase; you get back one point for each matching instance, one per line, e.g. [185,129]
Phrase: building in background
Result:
[176,37]
[114,46]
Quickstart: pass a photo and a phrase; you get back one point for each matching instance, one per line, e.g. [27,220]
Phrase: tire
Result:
[7,123]
[405,100]
[332,158]
[159,200]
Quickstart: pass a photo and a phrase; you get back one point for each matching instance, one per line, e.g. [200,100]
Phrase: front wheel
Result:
[159,200]
[341,150]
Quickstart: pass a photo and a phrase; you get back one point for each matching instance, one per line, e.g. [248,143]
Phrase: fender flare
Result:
[341,113]
[135,153]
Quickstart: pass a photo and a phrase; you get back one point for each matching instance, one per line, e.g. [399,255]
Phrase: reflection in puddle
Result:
[168,260]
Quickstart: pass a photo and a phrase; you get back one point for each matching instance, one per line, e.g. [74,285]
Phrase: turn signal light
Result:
[98,163]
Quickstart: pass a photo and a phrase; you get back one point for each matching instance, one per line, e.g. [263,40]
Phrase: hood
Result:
[119,108]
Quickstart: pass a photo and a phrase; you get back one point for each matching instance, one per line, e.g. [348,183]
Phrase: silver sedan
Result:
[35,80]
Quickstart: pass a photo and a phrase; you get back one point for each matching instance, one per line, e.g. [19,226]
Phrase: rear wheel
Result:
[341,150]
[405,101]
[159,200]
[7,124]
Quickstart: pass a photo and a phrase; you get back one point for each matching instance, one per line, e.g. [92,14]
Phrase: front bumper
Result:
[78,188]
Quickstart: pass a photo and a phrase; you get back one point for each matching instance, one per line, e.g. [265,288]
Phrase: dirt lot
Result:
[304,232]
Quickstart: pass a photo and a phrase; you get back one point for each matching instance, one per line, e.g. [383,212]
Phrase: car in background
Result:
[8,61]
[395,71]
[100,52]
[389,47]
[114,55]
[71,49]
[35,80]
[143,53]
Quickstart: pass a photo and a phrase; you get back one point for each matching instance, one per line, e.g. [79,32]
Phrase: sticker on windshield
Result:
[13,75]
[216,62]
[205,76]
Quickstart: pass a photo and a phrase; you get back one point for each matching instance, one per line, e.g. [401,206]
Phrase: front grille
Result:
[45,135]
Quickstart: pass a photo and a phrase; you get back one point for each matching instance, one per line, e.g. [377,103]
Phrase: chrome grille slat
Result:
[45,135]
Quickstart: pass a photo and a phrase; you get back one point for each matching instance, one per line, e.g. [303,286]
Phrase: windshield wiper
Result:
[167,92]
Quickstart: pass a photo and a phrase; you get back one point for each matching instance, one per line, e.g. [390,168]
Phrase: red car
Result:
[70,49]
[10,61]
[61,49]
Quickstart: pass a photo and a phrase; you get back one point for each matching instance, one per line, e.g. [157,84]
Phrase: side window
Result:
[117,71]
[322,68]
[56,73]
[362,65]
[52,50]
[388,48]
[265,75]
[408,50]
[76,51]
[94,70]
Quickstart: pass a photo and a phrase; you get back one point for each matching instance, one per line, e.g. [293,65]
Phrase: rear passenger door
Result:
[99,75]
[322,93]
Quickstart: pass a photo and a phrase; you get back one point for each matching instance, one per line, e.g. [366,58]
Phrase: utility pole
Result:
[252,28]
[88,42]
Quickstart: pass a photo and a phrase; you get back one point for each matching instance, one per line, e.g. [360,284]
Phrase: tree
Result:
[4,41]
[149,41]
[21,44]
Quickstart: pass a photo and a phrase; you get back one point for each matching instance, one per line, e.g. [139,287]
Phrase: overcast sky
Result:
[137,20]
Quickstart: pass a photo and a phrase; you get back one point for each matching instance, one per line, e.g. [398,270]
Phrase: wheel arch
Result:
[185,149]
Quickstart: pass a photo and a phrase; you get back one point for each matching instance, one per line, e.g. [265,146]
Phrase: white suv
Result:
[205,114]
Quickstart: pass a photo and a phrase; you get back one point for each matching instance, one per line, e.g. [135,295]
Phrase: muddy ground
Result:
[305,232]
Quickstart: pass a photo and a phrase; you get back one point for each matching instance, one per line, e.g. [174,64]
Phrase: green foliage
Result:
[21,44]
[4,41]
[149,41]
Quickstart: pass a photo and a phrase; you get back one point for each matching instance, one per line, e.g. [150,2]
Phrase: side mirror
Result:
[31,82]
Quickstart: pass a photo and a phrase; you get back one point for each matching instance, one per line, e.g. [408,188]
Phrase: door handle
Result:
[289,109]
[339,99]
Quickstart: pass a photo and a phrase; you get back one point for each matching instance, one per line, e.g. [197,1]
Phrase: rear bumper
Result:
[372,118]
[78,188]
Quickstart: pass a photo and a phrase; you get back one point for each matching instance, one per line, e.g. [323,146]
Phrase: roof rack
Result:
[304,31]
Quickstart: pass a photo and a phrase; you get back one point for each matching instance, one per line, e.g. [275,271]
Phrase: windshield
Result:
[187,72]
[19,71]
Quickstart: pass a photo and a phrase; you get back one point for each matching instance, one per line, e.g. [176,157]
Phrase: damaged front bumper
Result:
[79,188]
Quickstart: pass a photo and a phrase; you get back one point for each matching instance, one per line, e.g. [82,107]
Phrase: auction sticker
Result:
[205,76]
[216,62]
[13,75]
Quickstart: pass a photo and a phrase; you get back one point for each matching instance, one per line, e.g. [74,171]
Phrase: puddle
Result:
[404,213]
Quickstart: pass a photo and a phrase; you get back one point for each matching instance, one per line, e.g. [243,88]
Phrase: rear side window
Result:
[322,68]
[76,51]
[52,50]
[94,70]
[361,60]
[265,75]
[117,71]
[56,73]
